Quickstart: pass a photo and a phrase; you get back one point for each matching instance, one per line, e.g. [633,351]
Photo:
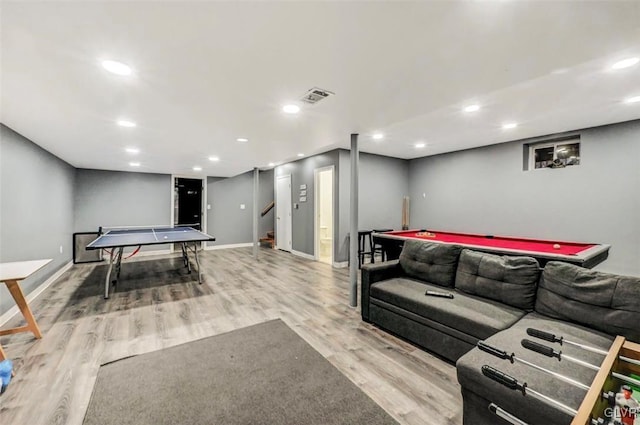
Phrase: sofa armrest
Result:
[372,273]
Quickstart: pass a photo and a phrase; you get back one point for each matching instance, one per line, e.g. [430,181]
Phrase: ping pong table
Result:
[116,240]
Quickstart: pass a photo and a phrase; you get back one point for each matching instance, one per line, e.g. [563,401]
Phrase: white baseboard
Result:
[303,255]
[8,315]
[341,264]
[233,245]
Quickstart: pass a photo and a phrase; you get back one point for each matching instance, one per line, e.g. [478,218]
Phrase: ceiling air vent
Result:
[315,95]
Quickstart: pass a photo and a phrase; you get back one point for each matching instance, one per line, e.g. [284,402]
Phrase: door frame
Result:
[316,196]
[203,202]
[276,177]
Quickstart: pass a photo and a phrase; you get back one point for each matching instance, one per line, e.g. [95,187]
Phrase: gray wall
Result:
[382,183]
[225,220]
[302,172]
[485,190]
[116,198]
[36,208]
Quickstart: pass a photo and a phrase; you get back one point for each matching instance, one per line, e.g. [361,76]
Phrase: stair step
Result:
[268,241]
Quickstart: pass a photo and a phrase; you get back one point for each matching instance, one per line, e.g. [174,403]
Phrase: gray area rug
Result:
[262,374]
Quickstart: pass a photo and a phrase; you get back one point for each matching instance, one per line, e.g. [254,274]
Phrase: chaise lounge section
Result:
[496,299]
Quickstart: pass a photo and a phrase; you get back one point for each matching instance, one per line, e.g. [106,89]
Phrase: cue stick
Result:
[405,213]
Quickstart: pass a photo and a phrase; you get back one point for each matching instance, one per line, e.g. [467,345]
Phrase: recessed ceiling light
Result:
[116,67]
[625,63]
[132,150]
[300,155]
[471,108]
[378,136]
[242,140]
[271,164]
[633,99]
[126,123]
[291,109]
[134,164]
[509,125]
[214,158]
[420,145]
[197,168]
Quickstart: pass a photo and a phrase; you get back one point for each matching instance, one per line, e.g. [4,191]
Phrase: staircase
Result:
[269,240]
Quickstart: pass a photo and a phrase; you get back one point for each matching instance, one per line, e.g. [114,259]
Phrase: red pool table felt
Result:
[520,244]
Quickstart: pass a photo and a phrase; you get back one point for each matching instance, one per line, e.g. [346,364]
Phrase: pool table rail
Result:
[392,245]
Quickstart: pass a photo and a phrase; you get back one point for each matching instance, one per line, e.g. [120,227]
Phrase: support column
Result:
[353,224]
[256,183]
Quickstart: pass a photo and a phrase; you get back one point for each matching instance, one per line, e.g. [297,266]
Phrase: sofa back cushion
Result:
[603,301]
[510,280]
[431,262]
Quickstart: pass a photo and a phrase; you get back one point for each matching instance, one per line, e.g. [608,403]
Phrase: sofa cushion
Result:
[432,262]
[471,315]
[529,409]
[510,280]
[603,301]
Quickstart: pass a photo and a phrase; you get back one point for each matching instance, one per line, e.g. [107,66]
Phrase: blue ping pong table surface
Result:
[148,236]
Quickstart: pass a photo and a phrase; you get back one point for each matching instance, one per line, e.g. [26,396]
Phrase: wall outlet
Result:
[208,206]
[241,206]
[60,249]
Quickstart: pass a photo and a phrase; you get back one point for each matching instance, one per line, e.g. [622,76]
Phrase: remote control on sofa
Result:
[439,294]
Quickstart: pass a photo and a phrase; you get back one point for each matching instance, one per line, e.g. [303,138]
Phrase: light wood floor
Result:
[55,375]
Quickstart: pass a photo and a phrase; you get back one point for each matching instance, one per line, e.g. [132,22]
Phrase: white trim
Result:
[341,264]
[8,315]
[316,196]
[289,247]
[232,245]
[303,255]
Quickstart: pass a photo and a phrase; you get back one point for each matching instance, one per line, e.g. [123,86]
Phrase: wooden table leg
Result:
[21,302]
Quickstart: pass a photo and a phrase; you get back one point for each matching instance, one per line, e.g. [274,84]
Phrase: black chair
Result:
[363,237]
[376,247]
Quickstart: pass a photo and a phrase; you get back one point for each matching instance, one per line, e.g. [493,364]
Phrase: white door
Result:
[324,214]
[283,213]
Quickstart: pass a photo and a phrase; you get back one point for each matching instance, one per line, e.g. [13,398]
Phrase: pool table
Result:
[586,255]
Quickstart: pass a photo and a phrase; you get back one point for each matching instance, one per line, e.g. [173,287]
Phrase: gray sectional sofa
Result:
[495,299]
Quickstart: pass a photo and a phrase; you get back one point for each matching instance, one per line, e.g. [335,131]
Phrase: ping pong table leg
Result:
[107,282]
[185,256]
[118,265]
[195,252]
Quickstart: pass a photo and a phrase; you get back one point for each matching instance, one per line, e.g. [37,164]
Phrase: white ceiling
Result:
[207,73]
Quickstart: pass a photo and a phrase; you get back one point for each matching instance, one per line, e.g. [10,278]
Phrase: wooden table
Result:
[10,274]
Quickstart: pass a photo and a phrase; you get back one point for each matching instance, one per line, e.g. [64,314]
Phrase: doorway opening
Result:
[324,214]
[187,202]
[283,213]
